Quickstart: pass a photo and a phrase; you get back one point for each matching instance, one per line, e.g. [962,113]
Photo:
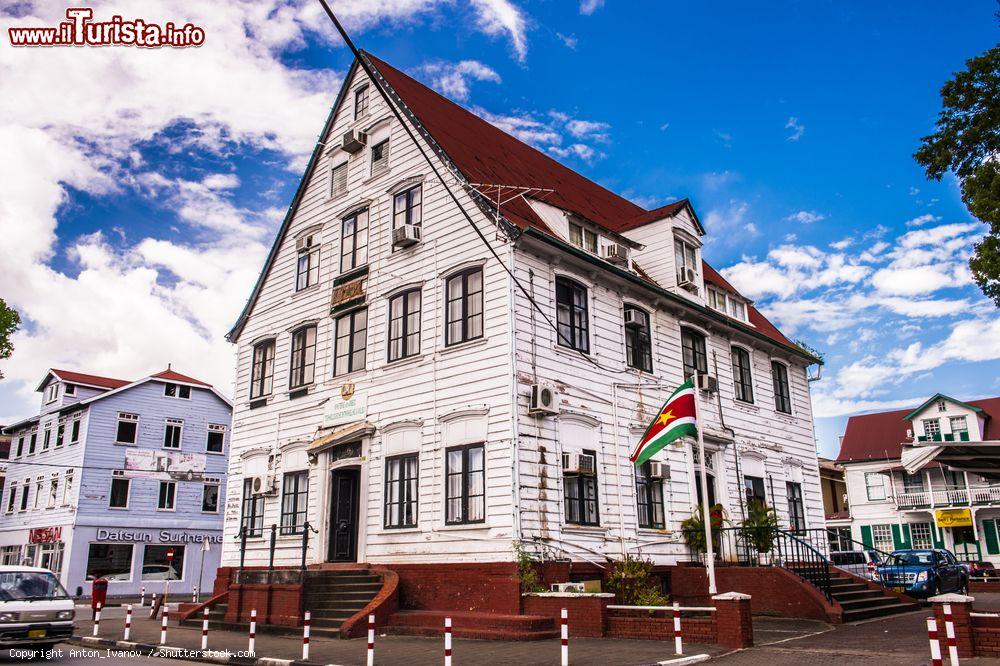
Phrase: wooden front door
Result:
[343,545]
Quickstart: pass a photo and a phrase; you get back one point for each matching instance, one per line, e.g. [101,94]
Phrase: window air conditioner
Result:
[405,235]
[354,140]
[634,319]
[708,383]
[578,463]
[687,277]
[567,587]
[262,484]
[543,399]
[616,253]
[304,243]
[658,470]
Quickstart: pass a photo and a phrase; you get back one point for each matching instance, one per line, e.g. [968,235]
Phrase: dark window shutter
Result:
[907,542]
[990,531]
[866,536]
[897,539]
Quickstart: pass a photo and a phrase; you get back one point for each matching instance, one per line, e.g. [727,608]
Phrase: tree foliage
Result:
[967,143]
[9,323]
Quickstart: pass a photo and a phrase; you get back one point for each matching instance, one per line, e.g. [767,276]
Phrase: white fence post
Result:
[949,631]
[564,636]
[204,630]
[253,631]
[163,626]
[371,640]
[447,641]
[97,618]
[305,636]
[128,622]
[932,633]
[678,644]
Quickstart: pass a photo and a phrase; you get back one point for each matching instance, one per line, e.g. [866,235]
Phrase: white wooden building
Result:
[387,361]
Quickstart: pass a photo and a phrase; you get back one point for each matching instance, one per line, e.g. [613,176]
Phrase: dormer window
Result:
[52,392]
[361,102]
[583,238]
[177,391]
[727,304]
[686,258]
[942,406]
[69,389]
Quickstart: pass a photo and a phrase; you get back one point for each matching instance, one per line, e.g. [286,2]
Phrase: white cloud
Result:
[842,244]
[798,129]
[588,7]
[569,41]
[496,17]
[921,220]
[452,79]
[582,151]
[588,129]
[805,217]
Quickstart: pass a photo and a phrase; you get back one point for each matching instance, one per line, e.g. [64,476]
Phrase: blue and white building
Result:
[111,475]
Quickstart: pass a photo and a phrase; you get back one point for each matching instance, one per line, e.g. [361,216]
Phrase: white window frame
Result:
[869,487]
[51,392]
[681,259]
[177,391]
[11,504]
[69,389]
[365,90]
[173,502]
[131,418]
[39,490]
[76,426]
[173,423]
[218,504]
[382,165]
[585,236]
[339,188]
[917,536]
[886,543]
[53,491]
[120,476]
[937,426]
[216,427]
[68,479]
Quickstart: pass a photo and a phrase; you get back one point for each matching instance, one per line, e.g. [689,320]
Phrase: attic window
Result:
[942,407]
[686,258]
[361,102]
[177,391]
[583,238]
[70,389]
[380,156]
[727,304]
[52,392]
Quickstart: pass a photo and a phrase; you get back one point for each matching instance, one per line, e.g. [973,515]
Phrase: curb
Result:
[683,661]
[172,652]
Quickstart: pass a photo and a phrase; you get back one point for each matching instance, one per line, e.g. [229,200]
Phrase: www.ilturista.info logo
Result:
[81,30]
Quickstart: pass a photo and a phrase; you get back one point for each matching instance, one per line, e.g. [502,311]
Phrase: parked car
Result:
[35,610]
[159,572]
[922,573]
[983,570]
[858,562]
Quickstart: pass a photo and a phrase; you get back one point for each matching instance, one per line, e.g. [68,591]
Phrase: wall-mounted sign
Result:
[349,291]
[164,465]
[351,405]
[163,536]
[45,535]
[953,517]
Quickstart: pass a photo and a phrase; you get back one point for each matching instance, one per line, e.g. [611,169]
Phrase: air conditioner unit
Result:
[262,484]
[687,277]
[708,383]
[405,235]
[616,253]
[354,140]
[304,243]
[567,587]
[658,470]
[634,319]
[578,463]
[543,399]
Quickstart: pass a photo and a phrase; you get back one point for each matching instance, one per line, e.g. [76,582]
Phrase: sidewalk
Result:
[410,650]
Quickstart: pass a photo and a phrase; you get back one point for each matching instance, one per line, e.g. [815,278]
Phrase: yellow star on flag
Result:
[666,417]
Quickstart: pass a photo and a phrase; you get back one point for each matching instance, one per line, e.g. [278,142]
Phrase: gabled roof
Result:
[754,316]
[663,212]
[880,436]
[81,378]
[935,398]
[171,376]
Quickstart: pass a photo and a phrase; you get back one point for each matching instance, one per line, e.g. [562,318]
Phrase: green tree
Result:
[967,143]
[9,323]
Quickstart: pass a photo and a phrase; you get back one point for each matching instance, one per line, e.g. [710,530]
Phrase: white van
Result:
[35,610]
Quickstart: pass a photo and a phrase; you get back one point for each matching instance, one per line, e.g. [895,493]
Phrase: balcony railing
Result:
[953,497]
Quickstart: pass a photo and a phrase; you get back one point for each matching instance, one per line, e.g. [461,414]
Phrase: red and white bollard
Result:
[932,633]
[305,636]
[194,594]
[142,596]
[447,641]
[204,630]
[128,622]
[678,644]
[371,640]
[949,631]
[97,618]
[564,636]
[163,627]
[253,631]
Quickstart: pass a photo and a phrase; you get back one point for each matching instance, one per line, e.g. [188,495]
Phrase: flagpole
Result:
[706,512]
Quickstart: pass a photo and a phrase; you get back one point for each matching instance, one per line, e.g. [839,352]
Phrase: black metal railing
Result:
[270,574]
[764,546]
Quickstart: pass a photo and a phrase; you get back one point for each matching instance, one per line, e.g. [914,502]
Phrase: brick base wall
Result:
[644,627]
[488,587]
[588,616]
[279,604]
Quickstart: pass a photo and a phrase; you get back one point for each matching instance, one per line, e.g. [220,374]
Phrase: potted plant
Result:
[694,530]
[760,530]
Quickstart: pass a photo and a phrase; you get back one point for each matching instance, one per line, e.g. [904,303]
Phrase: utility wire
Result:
[103,467]
[395,111]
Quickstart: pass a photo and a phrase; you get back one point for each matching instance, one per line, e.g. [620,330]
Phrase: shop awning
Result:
[976,457]
[348,433]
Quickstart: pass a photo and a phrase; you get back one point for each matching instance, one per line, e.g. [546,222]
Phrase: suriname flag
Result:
[674,420]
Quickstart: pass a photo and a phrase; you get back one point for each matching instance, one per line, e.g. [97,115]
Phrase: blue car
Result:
[922,573]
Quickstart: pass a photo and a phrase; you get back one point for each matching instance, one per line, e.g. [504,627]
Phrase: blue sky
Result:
[141,188]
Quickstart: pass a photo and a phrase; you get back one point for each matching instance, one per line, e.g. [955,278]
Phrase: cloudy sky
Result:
[140,188]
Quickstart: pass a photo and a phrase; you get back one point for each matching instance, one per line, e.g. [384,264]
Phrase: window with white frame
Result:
[128,428]
[120,486]
[380,156]
[875,486]
[464,306]
[727,304]
[262,372]
[742,375]
[10,555]
[68,488]
[74,430]
[351,331]
[882,537]
[406,207]
[53,490]
[11,496]
[25,489]
[180,391]
[572,314]
[294,502]
[303,357]
[216,438]
[580,490]
[920,533]
[32,442]
[913,483]
[39,491]
[69,389]
[942,406]
[167,496]
[338,179]
[306,262]
[354,241]
[60,433]
[465,484]
[686,258]
[583,238]
[361,102]
[959,426]
[52,392]
[404,325]
[782,392]
[172,433]
[401,491]
[210,497]
[20,447]
[47,441]
[932,429]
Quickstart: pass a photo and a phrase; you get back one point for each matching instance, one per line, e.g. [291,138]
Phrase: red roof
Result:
[669,210]
[91,380]
[880,436]
[172,376]
[487,154]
